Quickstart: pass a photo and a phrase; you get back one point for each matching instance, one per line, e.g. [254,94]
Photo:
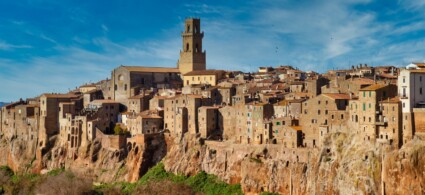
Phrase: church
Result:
[129,81]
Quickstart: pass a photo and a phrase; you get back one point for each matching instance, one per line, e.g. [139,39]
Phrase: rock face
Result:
[91,160]
[345,164]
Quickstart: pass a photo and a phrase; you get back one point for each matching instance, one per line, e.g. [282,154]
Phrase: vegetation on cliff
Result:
[155,181]
[201,183]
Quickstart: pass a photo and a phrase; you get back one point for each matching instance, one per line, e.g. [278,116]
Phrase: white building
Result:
[411,84]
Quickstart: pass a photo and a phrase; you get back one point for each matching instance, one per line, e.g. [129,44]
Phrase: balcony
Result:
[381,123]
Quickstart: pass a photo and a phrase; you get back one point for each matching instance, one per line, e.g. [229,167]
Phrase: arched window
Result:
[196,48]
[187,46]
[195,29]
[120,77]
[188,28]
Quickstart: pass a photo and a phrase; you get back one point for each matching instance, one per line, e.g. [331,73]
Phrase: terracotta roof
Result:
[138,96]
[296,83]
[104,101]
[68,95]
[373,87]
[389,76]
[362,81]
[194,96]
[391,100]
[420,64]
[204,72]
[150,116]
[88,85]
[337,96]
[298,128]
[418,71]
[282,103]
[151,69]
[92,91]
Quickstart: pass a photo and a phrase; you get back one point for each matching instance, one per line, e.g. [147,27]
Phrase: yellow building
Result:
[203,77]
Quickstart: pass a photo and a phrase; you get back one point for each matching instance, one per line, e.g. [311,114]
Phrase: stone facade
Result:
[192,57]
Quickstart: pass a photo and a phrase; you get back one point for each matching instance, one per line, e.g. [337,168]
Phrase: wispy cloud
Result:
[7,46]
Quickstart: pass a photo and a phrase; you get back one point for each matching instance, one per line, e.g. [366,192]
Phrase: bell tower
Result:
[192,57]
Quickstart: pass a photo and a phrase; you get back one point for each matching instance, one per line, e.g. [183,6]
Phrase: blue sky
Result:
[53,46]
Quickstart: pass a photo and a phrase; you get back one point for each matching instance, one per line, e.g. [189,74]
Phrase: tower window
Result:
[187,46]
[195,29]
[196,48]
[188,28]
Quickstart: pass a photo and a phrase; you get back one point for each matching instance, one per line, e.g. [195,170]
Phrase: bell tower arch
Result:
[192,57]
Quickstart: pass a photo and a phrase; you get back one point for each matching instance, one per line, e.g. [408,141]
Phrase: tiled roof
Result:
[203,72]
[337,96]
[151,69]
[68,95]
[391,100]
[373,87]
[298,128]
[104,101]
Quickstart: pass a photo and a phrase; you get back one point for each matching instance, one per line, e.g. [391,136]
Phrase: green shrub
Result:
[56,172]
[7,170]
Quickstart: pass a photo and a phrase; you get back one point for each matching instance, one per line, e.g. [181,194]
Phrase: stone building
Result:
[188,104]
[288,108]
[313,86]
[197,77]
[208,121]
[105,116]
[49,113]
[157,102]
[228,123]
[129,81]
[321,114]
[256,115]
[390,113]
[226,94]
[192,57]
[363,111]
[144,123]
[139,103]
[287,135]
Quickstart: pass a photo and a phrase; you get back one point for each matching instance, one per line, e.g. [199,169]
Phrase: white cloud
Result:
[7,46]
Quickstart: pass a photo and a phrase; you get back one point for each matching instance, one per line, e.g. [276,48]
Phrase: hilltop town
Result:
[290,111]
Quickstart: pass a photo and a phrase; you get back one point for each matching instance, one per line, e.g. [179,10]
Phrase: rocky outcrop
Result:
[345,164]
[92,160]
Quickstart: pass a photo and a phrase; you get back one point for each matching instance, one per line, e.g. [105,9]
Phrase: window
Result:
[364,106]
[342,116]
[364,93]
[318,112]
[420,90]
[370,93]
[370,105]
[277,123]
[187,46]
[125,87]
[318,102]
